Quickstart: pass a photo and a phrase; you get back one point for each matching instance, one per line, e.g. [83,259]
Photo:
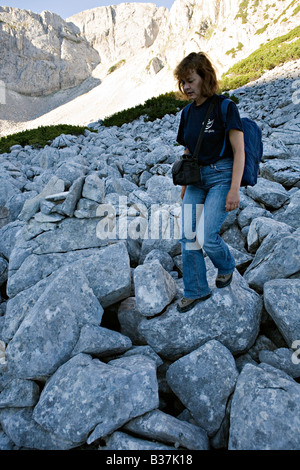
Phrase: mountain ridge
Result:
[124,72]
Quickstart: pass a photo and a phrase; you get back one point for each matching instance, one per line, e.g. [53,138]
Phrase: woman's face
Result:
[192,86]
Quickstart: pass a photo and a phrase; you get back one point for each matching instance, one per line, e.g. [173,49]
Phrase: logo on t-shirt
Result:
[209,125]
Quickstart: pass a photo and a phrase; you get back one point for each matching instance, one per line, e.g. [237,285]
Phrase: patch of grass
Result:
[39,137]
[266,57]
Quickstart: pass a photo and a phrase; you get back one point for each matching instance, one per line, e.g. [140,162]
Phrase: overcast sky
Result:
[69,8]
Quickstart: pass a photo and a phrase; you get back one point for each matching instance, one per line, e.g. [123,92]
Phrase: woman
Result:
[219,185]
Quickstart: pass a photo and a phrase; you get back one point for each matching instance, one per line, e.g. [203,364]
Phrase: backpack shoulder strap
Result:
[224,107]
[186,110]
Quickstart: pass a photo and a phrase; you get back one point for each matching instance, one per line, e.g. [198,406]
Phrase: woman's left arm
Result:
[236,138]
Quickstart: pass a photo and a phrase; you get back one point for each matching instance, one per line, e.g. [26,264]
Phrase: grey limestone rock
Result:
[231,316]
[162,190]
[49,332]
[107,269]
[86,208]
[101,342]
[281,300]
[113,394]
[260,227]
[286,172]
[71,234]
[122,186]
[94,188]
[274,260]
[146,351]
[273,195]
[26,270]
[5,442]
[31,206]
[164,258]
[52,60]
[19,393]
[291,213]
[154,288]
[3,270]
[284,359]
[160,426]
[265,410]
[203,380]
[68,205]
[129,318]
[70,171]
[122,441]
[25,432]
[249,213]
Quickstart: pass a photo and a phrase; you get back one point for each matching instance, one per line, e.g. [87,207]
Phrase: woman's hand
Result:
[183,188]
[236,138]
[232,199]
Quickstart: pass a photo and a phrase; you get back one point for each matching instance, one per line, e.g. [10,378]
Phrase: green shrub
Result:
[39,137]
[266,57]
[154,108]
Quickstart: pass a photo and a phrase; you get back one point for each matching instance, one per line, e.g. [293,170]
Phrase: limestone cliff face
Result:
[228,30]
[41,54]
[120,31]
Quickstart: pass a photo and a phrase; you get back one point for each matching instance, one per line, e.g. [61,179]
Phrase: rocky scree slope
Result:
[93,351]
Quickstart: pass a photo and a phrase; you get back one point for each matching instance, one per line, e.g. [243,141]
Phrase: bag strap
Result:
[200,138]
[224,106]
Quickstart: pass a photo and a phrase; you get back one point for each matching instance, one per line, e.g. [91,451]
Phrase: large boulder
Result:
[278,257]
[273,195]
[203,380]
[51,329]
[107,269]
[281,300]
[232,316]
[265,410]
[86,395]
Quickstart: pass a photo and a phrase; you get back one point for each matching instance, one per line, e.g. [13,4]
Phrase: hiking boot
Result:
[187,304]
[223,281]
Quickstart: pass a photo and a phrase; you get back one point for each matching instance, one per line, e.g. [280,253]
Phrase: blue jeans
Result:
[210,191]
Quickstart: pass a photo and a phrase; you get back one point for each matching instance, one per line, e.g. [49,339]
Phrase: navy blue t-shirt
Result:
[192,119]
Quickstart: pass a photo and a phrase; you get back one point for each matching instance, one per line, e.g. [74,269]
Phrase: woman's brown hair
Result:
[200,63]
